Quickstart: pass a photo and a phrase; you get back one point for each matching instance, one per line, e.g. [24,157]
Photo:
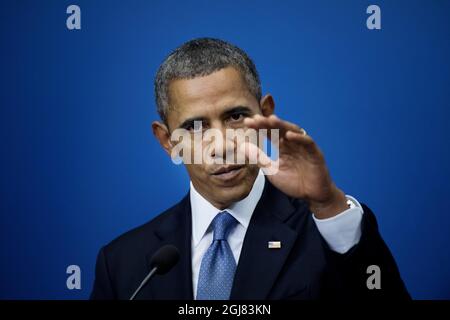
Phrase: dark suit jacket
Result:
[304,267]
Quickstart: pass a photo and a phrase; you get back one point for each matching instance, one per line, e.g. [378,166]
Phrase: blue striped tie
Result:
[218,265]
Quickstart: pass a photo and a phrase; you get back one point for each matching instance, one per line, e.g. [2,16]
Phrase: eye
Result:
[195,126]
[237,117]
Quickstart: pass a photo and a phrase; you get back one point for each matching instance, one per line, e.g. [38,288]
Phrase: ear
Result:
[161,132]
[267,105]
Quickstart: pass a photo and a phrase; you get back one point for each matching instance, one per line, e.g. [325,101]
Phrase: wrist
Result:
[334,205]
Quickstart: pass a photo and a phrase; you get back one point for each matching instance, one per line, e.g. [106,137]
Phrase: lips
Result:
[226,169]
[228,174]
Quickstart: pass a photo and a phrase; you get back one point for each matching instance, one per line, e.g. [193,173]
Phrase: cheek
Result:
[197,171]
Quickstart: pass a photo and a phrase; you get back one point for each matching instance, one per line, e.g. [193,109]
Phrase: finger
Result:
[283,125]
[271,122]
[304,144]
[255,155]
[257,122]
[302,139]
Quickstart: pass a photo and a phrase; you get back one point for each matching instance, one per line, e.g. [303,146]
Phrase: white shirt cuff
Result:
[342,231]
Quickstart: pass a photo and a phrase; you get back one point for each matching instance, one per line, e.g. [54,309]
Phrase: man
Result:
[243,235]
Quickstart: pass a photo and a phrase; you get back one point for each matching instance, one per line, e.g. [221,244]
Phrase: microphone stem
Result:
[150,274]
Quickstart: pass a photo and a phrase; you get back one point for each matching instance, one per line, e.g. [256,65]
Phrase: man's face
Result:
[220,101]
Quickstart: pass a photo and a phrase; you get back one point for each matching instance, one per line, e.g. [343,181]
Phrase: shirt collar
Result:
[204,212]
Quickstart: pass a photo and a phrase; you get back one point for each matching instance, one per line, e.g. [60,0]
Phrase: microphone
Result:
[161,262]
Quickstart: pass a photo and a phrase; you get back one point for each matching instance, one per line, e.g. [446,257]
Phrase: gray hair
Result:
[201,57]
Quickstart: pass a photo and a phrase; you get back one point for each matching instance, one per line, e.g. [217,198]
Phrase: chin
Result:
[223,191]
[234,194]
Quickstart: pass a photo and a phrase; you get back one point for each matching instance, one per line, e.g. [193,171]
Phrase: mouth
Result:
[229,172]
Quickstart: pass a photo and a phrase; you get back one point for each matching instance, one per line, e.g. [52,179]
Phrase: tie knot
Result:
[222,224]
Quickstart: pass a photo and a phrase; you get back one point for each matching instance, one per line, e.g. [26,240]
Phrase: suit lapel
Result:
[258,265]
[175,230]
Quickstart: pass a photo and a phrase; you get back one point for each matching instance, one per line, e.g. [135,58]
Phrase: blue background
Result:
[79,165]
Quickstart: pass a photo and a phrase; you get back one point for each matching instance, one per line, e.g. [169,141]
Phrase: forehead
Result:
[208,95]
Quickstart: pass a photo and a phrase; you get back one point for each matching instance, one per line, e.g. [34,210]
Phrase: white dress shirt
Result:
[341,232]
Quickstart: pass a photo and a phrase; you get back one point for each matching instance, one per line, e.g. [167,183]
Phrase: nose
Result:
[220,146]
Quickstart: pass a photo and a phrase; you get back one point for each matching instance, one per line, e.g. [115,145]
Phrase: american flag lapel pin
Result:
[274,244]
